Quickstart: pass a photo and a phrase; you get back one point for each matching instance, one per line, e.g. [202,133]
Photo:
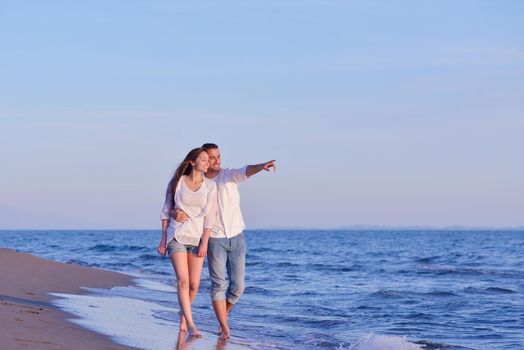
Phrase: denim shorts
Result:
[176,247]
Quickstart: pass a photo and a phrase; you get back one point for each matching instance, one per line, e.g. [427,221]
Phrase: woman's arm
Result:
[209,220]
[162,246]
[202,247]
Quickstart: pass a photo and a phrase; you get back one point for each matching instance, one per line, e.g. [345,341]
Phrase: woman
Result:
[186,242]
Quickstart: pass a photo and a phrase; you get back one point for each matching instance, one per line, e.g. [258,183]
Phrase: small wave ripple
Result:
[384,342]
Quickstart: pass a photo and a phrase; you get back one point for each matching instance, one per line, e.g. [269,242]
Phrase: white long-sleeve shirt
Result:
[230,222]
[200,207]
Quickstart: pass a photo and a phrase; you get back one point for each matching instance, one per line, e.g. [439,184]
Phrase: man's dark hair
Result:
[208,146]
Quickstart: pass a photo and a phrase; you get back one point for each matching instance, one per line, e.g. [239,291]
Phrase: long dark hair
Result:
[183,168]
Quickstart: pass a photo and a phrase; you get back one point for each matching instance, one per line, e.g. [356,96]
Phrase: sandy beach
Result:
[31,319]
[27,318]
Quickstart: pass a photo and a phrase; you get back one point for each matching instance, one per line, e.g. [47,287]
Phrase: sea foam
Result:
[384,342]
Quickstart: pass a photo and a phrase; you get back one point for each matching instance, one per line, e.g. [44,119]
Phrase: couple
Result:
[201,217]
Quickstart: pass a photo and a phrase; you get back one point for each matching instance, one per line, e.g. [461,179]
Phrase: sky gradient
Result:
[381,113]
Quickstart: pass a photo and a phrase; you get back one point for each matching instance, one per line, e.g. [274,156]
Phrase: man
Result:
[226,247]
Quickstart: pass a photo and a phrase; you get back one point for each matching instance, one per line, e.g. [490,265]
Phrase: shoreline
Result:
[29,320]
[47,305]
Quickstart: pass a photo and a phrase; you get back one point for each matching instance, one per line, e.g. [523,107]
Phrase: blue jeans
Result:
[227,254]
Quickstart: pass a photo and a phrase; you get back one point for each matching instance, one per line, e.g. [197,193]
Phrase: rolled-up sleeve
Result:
[165,214]
[238,175]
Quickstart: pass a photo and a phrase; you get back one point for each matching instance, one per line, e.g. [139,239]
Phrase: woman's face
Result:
[202,162]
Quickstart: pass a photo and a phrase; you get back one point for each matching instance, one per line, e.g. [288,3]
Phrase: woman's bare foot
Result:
[194,333]
[183,323]
[224,333]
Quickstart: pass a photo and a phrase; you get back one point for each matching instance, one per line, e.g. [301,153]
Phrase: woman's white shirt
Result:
[200,207]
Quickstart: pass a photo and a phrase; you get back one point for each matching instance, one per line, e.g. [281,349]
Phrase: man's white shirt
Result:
[229,222]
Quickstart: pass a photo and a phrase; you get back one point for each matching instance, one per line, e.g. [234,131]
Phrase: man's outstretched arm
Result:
[254,169]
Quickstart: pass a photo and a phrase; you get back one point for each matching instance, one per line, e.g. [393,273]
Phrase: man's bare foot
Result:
[194,333]
[183,323]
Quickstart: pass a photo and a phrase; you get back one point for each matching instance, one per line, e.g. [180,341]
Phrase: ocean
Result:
[313,289]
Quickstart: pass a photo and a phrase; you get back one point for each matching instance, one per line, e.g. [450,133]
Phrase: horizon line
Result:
[281,228]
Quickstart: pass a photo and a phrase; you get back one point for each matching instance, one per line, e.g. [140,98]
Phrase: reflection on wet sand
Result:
[187,342]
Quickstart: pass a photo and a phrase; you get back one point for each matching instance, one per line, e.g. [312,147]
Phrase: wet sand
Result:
[27,318]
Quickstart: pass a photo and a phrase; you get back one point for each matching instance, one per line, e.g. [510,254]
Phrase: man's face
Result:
[214,159]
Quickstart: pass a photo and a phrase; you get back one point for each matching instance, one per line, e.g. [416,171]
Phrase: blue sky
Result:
[378,112]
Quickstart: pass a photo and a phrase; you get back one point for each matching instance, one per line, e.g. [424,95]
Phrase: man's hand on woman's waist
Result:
[179,215]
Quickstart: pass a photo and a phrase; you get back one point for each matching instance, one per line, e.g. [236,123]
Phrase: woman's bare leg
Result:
[180,264]
[195,265]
